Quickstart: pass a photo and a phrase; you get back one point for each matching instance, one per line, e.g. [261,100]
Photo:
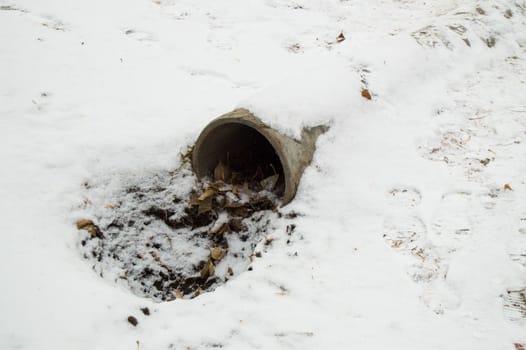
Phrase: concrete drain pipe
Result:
[243,142]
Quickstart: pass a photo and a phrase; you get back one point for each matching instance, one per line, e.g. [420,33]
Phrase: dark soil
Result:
[152,238]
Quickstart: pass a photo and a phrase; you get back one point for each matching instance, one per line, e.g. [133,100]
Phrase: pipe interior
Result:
[243,149]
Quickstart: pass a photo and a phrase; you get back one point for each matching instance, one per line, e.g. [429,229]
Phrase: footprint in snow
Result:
[517,245]
[514,304]
[406,232]
[517,249]
[140,35]
[440,297]
[452,224]
[45,20]
[404,197]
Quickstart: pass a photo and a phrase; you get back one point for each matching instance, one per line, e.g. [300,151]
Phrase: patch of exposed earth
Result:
[165,235]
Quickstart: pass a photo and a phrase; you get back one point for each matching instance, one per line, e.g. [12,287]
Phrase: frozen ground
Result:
[413,225]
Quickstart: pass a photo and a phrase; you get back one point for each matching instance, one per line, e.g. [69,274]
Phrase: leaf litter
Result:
[166,235]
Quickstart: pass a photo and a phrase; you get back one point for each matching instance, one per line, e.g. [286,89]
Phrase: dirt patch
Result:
[164,235]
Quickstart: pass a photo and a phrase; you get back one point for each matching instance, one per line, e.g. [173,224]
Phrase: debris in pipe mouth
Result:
[239,143]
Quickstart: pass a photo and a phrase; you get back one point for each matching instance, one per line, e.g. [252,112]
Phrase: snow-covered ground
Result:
[412,233]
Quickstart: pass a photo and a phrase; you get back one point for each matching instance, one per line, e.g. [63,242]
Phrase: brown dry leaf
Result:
[230,204]
[208,270]
[222,172]
[225,228]
[109,206]
[340,37]
[194,200]
[270,182]
[197,292]
[396,244]
[82,223]
[178,294]
[508,187]
[205,206]
[220,186]
[204,271]
[88,225]
[268,240]
[93,231]
[240,211]
[366,94]
[236,225]
[419,253]
[208,193]
[234,190]
[230,271]
[217,253]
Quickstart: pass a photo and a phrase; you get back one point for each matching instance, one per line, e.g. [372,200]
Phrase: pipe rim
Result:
[245,117]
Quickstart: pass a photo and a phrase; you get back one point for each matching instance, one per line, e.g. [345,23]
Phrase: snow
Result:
[406,239]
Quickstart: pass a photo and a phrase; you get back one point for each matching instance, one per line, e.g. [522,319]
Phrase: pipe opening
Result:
[246,153]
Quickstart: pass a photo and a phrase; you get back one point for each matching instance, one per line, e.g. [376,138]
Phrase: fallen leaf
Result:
[82,223]
[270,182]
[207,270]
[231,204]
[89,226]
[485,161]
[109,206]
[258,175]
[230,271]
[178,294]
[419,253]
[208,193]
[197,292]
[94,231]
[217,253]
[194,199]
[340,37]
[508,187]
[236,225]
[396,244]
[205,206]
[240,211]
[222,172]
[218,185]
[366,94]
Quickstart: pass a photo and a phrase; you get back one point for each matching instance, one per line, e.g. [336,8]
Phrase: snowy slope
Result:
[408,237]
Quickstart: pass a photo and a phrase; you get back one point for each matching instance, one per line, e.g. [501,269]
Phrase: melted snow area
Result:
[408,230]
[152,234]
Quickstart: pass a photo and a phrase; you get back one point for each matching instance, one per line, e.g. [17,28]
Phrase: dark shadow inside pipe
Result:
[244,150]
